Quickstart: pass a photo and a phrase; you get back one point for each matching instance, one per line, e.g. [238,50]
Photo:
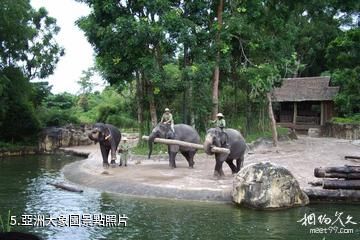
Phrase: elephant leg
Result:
[232,165]
[191,159]
[218,172]
[172,156]
[240,163]
[189,155]
[105,154]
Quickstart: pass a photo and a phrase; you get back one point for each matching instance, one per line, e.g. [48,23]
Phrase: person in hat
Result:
[220,121]
[167,118]
[124,151]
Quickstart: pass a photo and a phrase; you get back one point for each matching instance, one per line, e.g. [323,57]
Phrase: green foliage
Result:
[265,134]
[5,225]
[142,149]
[27,39]
[18,121]
[355,119]
[343,58]
[27,51]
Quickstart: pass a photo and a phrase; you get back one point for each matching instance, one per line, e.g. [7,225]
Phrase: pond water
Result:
[25,192]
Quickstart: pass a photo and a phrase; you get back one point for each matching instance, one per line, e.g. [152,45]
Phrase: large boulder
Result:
[267,186]
[52,138]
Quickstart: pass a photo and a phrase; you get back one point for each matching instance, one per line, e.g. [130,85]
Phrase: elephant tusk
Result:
[108,137]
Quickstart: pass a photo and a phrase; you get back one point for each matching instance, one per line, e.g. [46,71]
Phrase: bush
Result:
[350,120]
[122,121]
[57,117]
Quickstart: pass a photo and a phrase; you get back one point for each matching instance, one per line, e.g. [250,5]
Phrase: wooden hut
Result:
[303,103]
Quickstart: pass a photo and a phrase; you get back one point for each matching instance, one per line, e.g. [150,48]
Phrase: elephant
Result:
[182,132]
[109,138]
[234,141]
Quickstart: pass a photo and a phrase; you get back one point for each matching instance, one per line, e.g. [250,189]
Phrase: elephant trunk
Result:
[151,142]
[207,144]
[91,137]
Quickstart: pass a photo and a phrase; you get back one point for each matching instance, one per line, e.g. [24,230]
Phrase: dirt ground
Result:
[153,178]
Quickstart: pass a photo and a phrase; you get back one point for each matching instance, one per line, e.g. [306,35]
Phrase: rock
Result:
[314,132]
[292,134]
[267,186]
[52,138]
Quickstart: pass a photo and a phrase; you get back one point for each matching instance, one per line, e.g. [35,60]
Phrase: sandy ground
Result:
[153,178]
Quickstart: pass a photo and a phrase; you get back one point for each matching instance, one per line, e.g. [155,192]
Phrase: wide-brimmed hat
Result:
[125,139]
[220,115]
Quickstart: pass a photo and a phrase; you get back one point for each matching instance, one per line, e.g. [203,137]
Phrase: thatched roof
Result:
[305,89]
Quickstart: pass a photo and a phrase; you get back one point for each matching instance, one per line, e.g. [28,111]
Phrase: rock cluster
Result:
[52,138]
[267,186]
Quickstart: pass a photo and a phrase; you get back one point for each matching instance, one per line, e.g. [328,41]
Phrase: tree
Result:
[215,83]
[343,59]
[27,51]
[27,39]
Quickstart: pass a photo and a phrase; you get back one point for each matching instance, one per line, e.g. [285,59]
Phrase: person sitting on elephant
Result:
[220,121]
[221,124]
[124,152]
[168,119]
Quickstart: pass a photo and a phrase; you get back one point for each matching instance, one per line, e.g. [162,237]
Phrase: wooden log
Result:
[186,144]
[316,183]
[341,184]
[352,157]
[339,195]
[322,174]
[344,169]
[67,188]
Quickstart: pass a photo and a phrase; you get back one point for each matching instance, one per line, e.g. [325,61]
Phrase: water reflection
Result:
[24,190]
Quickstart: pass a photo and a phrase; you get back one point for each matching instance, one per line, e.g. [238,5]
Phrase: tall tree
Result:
[27,51]
[216,77]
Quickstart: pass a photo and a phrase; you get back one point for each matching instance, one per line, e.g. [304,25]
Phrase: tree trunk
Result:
[342,169]
[341,184]
[272,121]
[139,102]
[67,188]
[186,144]
[332,195]
[337,175]
[346,172]
[216,80]
[152,107]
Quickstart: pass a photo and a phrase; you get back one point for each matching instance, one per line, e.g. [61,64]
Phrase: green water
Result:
[24,190]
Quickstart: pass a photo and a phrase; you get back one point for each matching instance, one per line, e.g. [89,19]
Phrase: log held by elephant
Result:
[186,144]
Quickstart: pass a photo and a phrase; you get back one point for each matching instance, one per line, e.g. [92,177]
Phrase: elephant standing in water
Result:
[182,132]
[109,138]
[234,141]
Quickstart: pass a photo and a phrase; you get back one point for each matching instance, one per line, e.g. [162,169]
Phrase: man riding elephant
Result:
[167,118]
[181,132]
[221,124]
[236,144]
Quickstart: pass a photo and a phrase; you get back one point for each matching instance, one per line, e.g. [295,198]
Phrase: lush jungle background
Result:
[197,57]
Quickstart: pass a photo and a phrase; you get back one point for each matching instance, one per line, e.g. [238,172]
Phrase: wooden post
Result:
[321,113]
[295,113]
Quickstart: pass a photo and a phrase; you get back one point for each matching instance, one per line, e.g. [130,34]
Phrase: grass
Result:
[15,146]
[267,134]
[5,226]
[143,149]
[355,119]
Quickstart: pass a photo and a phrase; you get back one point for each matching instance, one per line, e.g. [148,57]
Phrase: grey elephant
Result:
[234,141]
[108,137]
[182,132]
